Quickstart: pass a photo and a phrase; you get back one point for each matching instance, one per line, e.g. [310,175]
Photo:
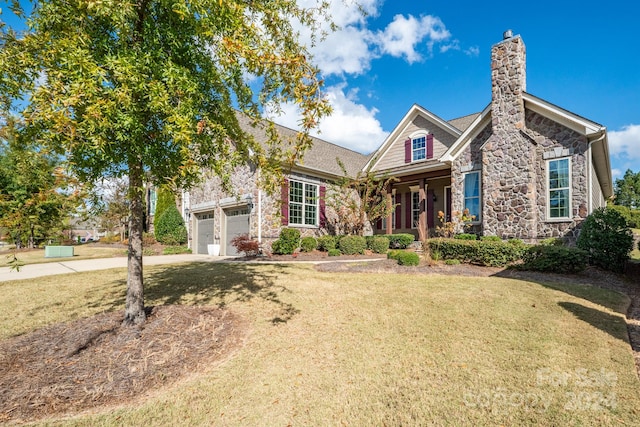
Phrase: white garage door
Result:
[205,231]
[237,222]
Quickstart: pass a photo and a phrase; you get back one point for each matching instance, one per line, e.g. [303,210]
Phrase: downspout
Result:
[603,134]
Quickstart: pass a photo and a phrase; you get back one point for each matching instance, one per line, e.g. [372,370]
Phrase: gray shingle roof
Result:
[462,123]
[322,154]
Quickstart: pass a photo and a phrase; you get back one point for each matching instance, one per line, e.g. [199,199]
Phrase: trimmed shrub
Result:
[326,243]
[394,254]
[288,241]
[408,258]
[308,244]
[465,236]
[554,259]
[492,254]
[379,244]
[164,199]
[552,241]
[244,243]
[452,262]
[607,238]
[351,245]
[334,252]
[170,228]
[632,216]
[490,239]
[400,240]
[176,250]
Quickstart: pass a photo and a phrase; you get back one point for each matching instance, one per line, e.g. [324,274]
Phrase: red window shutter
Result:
[322,203]
[284,205]
[407,210]
[398,211]
[430,146]
[407,151]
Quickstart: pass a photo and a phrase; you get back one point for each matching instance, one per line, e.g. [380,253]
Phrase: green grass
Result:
[369,349]
[36,256]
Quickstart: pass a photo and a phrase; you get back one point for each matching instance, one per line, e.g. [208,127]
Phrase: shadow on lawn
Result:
[205,283]
[613,325]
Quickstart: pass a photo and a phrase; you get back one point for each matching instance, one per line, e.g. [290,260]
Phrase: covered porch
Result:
[418,199]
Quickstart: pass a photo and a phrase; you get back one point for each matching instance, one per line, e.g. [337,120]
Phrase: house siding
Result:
[394,156]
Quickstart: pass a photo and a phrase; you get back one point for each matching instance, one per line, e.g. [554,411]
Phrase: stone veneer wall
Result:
[245,181]
[469,160]
[553,140]
[509,178]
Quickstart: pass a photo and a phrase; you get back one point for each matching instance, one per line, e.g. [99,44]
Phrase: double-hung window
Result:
[419,148]
[303,203]
[415,209]
[472,194]
[559,185]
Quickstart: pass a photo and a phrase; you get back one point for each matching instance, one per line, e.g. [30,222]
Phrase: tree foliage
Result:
[170,227]
[37,195]
[607,238]
[627,191]
[147,88]
[359,201]
[164,198]
[112,208]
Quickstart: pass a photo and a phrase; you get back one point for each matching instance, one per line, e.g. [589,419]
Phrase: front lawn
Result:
[368,349]
[86,251]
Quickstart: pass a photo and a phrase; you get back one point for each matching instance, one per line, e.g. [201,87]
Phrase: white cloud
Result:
[472,51]
[403,35]
[625,143]
[351,125]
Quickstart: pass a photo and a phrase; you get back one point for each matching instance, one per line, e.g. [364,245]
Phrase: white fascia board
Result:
[414,111]
[560,115]
[467,136]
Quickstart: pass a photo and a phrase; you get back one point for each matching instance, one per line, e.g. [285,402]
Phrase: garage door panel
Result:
[237,223]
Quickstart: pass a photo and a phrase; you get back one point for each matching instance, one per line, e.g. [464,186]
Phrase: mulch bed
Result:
[95,362]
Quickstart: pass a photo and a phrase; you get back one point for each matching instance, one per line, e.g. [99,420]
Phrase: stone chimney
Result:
[508,157]
[508,82]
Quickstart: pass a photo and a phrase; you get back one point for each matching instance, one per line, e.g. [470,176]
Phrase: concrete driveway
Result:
[65,266]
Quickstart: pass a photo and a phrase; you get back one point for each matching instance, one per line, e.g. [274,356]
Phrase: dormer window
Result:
[418,147]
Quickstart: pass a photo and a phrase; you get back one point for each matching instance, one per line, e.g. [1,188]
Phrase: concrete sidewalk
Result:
[65,266]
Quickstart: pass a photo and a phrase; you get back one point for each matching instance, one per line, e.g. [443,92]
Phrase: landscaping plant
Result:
[607,238]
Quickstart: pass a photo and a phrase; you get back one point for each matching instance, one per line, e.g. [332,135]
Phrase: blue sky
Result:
[583,56]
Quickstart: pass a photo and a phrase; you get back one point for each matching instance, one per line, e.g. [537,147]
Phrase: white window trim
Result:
[478,220]
[317,204]
[420,134]
[446,205]
[548,192]
[414,226]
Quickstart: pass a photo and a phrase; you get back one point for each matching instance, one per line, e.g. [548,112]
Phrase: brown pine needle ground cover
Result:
[362,348]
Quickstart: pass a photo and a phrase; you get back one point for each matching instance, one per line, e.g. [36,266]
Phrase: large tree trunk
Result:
[134,305]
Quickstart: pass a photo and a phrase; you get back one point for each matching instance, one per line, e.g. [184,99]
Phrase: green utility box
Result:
[58,251]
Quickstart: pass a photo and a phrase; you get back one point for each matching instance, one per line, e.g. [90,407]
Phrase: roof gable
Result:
[415,112]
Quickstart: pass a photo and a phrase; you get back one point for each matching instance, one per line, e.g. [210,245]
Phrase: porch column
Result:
[389,219]
[422,221]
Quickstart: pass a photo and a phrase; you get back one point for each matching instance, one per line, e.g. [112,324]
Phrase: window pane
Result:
[419,148]
[472,194]
[310,215]
[295,213]
[295,192]
[559,184]
[415,209]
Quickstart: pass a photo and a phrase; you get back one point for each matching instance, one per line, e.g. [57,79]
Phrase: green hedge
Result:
[400,240]
[554,259]
[378,244]
[170,229]
[326,243]
[288,241]
[466,236]
[308,244]
[404,257]
[351,245]
[488,253]
[334,252]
